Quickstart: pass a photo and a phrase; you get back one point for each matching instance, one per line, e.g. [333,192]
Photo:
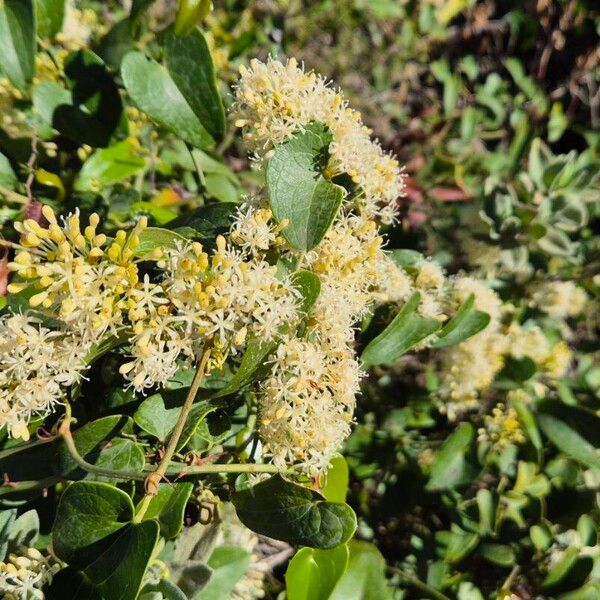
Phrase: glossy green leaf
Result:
[168,507]
[155,418]
[50,15]
[406,330]
[253,361]
[71,584]
[154,92]
[453,465]
[337,478]
[574,431]
[108,166]
[292,513]
[206,223]
[464,324]
[17,41]
[94,532]
[309,285]
[189,63]
[364,578]
[298,191]
[90,440]
[157,237]
[312,574]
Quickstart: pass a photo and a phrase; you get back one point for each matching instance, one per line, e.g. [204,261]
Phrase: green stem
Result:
[154,479]
[22,447]
[25,486]
[420,585]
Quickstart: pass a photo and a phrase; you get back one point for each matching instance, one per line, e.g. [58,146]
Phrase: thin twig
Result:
[154,479]
[30,167]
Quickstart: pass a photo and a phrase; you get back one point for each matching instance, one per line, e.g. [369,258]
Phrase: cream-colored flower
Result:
[275,100]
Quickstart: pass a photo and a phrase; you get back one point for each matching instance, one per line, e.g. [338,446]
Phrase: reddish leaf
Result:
[448,194]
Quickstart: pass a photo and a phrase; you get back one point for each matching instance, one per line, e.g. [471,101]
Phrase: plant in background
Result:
[208,293]
[160,335]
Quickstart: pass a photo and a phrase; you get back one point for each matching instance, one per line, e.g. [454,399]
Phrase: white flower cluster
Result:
[471,366]
[559,299]
[23,576]
[36,363]
[307,403]
[225,298]
[275,100]
[93,286]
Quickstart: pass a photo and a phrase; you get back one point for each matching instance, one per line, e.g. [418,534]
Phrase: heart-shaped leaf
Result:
[292,513]
[94,532]
[406,330]
[168,506]
[298,191]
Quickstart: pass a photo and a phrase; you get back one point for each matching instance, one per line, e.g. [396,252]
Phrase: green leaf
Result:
[338,476]
[47,97]
[364,578]
[108,166]
[168,507]
[17,41]
[253,360]
[89,441]
[292,513]
[70,584]
[94,532]
[498,554]
[155,418]
[206,223]
[453,465]
[465,323]
[527,421]
[96,108]
[309,285]
[119,455]
[406,330]
[189,62]
[153,91]
[8,178]
[298,191]
[572,430]
[228,564]
[157,237]
[312,574]
[569,572]
[50,15]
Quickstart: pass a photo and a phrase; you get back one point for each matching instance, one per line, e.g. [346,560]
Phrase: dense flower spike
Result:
[275,100]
